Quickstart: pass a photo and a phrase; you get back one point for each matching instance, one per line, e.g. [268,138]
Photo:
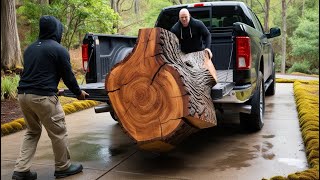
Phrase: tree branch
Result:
[131,24]
[128,8]
[261,6]
[76,25]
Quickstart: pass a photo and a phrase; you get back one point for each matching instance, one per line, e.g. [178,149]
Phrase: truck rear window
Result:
[212,17]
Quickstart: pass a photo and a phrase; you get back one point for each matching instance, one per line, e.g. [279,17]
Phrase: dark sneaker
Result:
[73,169]
[24,175]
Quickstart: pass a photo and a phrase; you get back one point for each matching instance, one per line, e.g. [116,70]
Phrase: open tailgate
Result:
[96,92]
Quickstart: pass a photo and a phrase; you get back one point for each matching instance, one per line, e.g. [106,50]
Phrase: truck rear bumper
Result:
[235,99]
[238,94]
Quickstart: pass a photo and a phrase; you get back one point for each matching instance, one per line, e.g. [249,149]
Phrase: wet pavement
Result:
[224,152]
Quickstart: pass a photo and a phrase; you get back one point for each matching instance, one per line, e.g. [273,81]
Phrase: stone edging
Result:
[280,80]
[19,124]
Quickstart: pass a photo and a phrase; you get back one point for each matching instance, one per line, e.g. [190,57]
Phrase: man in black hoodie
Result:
[191,33]
[45,63]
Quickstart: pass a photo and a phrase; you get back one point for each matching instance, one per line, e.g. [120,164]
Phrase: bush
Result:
[315,71]
[9,86]
[303,67]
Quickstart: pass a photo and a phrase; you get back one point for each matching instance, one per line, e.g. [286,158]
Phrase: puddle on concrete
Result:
[267,144]
[268,155]
[93,147]
[238,159]
[84,151]
[121,149]
[268,136]
[294,162]
[96,146]
[264,149]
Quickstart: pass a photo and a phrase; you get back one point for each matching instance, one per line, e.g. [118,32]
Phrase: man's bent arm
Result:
[67,74]
[206,36]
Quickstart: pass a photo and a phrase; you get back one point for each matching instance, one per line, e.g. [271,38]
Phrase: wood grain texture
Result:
[160,94]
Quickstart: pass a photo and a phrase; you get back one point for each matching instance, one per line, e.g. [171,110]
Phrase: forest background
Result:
[297,50]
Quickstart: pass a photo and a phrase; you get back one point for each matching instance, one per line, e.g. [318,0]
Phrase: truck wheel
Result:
[272,88]
[114,115]
[254,121]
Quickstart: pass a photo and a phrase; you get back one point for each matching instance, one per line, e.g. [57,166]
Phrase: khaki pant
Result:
[46,110]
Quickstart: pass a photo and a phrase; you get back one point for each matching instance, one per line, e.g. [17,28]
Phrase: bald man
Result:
[193,35]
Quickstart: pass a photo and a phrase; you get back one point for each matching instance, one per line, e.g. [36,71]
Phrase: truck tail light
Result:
[85,57]
[198,5]
[243,57]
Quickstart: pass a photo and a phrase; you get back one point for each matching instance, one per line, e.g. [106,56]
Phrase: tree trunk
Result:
[266,15]
[160,94]
[114,5]
[43,2]
[136,6]
[10,43]
[118,6]
[302,10]
[284,34]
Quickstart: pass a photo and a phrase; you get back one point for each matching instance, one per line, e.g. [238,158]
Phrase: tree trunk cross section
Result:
[160,94]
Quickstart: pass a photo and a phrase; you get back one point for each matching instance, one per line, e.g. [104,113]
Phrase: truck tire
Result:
[254,121]
[272,88]
[114,115]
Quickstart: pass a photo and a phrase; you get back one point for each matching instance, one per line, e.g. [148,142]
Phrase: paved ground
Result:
[224,152]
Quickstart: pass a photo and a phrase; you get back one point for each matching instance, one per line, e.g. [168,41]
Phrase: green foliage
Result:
[315,71]
[81,16]
[29,15]
[305,39]
[9,86]
[146,19]
[293,13]
[78,17]
[302,31]
[303,67]
[131,23]
[152,15]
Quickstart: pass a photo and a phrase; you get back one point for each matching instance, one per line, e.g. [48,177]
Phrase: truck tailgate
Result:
[225,84]
[96,91]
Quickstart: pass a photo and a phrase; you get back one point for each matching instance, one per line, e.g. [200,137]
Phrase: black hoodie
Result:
[46,62]
[191,37]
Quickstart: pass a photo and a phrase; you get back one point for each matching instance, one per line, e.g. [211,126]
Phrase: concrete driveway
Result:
[224,152]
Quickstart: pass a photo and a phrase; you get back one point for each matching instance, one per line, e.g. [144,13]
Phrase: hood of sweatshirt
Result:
[50,28]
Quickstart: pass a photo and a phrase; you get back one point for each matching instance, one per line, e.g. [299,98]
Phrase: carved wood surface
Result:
[160,94]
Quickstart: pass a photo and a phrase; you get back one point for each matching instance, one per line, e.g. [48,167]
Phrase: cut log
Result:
[160,94]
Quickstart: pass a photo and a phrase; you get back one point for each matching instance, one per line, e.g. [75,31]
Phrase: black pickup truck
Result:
[242,55]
